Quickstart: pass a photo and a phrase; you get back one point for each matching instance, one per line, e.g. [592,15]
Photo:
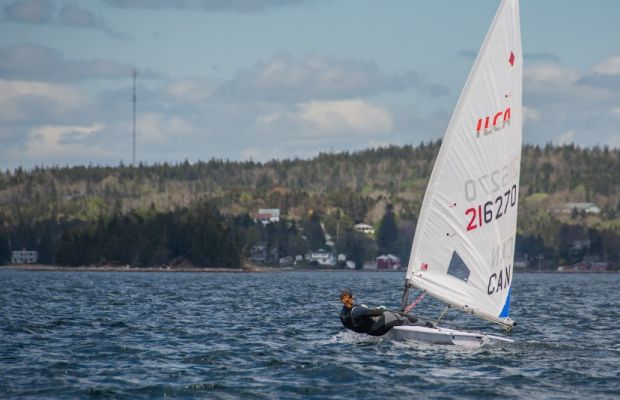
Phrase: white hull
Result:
[442,336]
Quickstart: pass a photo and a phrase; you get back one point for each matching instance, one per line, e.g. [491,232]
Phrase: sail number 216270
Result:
[491,210]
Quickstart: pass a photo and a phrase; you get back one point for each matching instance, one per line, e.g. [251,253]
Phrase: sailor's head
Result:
[346,297]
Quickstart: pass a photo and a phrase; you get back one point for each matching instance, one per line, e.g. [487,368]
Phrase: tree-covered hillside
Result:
[48,208]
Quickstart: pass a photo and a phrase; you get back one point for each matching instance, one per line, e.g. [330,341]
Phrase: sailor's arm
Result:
[363,311]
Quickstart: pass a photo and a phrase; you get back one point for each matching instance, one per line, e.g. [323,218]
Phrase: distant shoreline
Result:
[247,269]
[113,268]
[56,268]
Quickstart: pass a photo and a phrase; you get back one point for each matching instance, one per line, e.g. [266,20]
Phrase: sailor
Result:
[372,321]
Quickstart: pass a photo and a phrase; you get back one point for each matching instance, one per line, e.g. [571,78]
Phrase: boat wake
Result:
[350,337]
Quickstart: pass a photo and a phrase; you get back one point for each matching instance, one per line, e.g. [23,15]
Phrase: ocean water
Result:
[277,335]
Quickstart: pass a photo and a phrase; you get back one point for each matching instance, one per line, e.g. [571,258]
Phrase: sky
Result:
[277,79]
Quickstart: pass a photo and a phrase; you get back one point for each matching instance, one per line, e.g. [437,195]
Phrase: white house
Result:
[365,228]
[588,208]
[24,257]
[268,215]
[322,257]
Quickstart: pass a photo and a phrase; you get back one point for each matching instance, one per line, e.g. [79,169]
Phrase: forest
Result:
[202,213]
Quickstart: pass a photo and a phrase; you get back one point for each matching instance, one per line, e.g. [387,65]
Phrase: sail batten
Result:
[463,247]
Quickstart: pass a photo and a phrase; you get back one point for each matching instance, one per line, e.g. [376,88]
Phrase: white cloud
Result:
[346,116]
[60,143]
[531,114]
[181,127]
[344,75]
[326,120]
[53,135]
[614,140]
[149,127]
[270,119]
[567,137]
[550,74]
[284,78]
[611,66]
[565,105]
[189,90]
[22,100]
[605,75]
[616,111]
[153,127]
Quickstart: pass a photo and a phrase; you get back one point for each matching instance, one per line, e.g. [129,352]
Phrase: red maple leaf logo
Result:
[511,59]
[424,267]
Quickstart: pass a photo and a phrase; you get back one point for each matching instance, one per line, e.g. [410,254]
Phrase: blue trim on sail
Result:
[506,309]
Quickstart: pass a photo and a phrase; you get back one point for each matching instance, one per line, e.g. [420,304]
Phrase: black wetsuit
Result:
[373,321]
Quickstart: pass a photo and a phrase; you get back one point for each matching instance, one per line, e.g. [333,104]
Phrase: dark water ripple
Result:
[277,335]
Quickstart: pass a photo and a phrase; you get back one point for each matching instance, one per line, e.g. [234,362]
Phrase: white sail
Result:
[463,248]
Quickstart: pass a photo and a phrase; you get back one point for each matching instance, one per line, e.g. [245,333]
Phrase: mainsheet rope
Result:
[415,303]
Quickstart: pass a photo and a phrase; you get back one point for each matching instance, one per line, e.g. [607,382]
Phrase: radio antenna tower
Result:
[133,100]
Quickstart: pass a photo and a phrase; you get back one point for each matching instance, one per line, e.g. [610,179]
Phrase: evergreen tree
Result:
[314,232]
[46,243]
[387,236]
[5,254]
[352,245]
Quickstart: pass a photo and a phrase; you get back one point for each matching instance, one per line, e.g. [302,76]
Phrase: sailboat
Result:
[463,249]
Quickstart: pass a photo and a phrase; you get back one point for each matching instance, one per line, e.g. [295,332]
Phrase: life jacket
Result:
[361,325]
